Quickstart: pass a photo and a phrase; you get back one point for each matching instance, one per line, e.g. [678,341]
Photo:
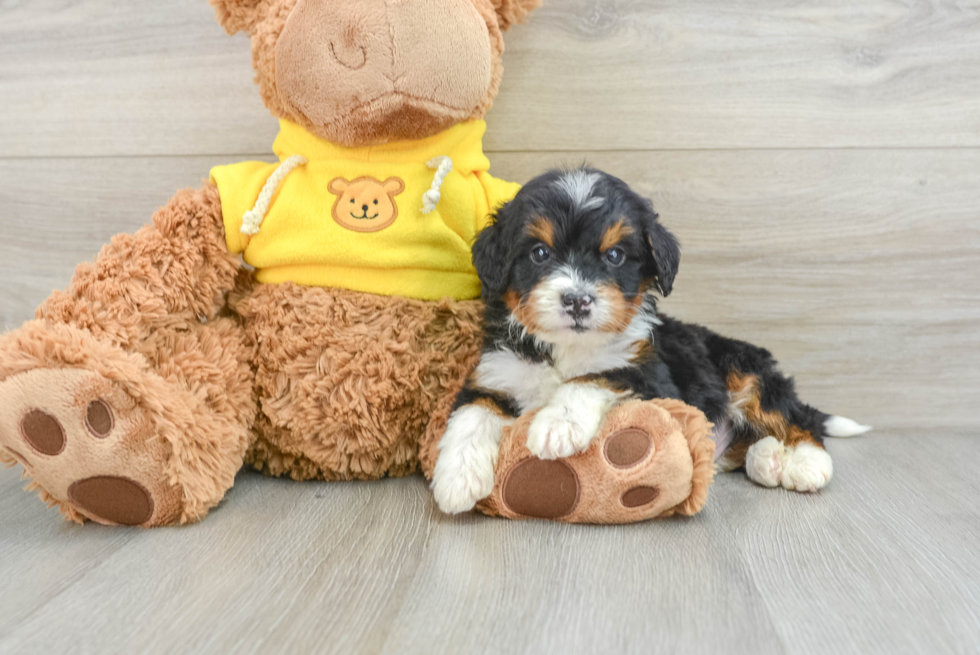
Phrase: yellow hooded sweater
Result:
[394,219]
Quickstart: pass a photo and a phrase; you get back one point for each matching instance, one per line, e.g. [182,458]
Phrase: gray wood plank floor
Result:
[821,164]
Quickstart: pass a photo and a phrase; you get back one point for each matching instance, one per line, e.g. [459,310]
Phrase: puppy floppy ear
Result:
[491,258]
[510,12]
[238,15]
[664,249]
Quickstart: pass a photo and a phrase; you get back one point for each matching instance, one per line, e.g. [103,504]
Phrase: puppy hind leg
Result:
[798,463]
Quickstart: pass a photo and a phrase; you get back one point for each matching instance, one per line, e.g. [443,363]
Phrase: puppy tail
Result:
[841,426]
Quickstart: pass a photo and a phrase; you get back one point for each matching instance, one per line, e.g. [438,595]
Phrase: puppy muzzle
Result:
[578,305]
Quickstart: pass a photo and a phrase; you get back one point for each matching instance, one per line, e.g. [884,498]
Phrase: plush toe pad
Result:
[43,431]
[627,448]
[98,418]
[640,496]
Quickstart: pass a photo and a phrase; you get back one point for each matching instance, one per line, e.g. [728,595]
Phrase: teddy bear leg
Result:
[129,400]
[649,459]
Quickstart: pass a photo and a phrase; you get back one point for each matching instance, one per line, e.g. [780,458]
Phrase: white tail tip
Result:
[841,426]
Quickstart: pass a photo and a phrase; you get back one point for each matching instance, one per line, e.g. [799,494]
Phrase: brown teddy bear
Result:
[136,395]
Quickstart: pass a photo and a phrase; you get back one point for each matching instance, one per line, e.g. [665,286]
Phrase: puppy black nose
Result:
[579,305]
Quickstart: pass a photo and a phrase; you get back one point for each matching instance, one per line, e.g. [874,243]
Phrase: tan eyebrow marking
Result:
[614,234]
[543,229]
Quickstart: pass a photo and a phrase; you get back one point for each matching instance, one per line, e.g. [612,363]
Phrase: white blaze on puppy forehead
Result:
[579,186]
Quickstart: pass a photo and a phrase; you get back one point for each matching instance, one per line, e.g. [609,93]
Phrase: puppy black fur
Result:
[590,227]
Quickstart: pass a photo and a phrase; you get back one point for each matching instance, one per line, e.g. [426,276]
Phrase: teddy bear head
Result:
[365,72]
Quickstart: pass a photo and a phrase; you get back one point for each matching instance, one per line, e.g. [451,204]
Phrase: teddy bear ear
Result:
[697,430]
[510,12]
[238,15]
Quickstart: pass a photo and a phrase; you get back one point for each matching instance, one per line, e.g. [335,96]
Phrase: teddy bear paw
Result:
[87,446]
[638,466]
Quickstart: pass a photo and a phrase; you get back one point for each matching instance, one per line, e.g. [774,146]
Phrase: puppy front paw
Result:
[458,486]
[467,455]
[557,432]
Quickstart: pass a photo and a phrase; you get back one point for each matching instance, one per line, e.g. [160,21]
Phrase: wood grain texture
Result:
[882,561]
[820,163]
[99,77]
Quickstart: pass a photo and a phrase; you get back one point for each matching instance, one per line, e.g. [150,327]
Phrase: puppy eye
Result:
[615,256]
[540,254]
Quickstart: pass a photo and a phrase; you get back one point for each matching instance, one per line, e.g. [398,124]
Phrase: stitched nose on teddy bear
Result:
[347,49]
[423,62]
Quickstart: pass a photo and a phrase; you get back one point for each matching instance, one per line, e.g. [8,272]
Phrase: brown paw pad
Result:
[639,496]
[99,419]
[544,489]
[627,448]
[113,500]
[43,432]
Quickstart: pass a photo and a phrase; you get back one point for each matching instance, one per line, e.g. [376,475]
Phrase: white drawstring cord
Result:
[252,220]
[443,166]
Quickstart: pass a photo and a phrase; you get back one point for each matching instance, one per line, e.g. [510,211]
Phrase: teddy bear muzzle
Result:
[384,62]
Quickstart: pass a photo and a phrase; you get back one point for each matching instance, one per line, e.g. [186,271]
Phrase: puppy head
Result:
[574,253]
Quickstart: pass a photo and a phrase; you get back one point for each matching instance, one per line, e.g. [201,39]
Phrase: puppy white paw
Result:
[559,431]
[467,454]
[458,487]
[764,461]
[807,468]
[568,423]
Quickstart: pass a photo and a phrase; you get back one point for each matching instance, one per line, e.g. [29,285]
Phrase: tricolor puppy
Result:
[570,270]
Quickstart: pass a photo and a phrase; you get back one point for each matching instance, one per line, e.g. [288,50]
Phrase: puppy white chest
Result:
[530,384]
[585,354]
[574,360]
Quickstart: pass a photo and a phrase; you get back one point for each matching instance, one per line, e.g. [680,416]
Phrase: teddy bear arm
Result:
[175,269]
